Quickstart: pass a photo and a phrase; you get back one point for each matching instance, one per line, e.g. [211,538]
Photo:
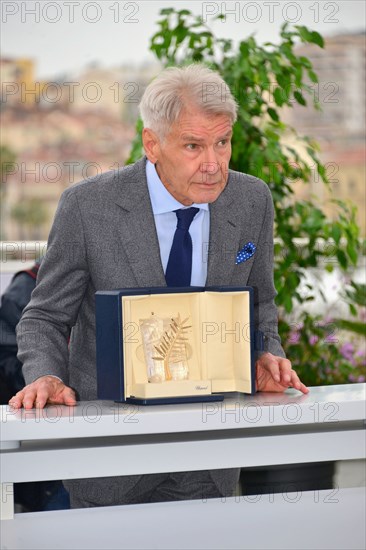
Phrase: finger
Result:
[69,396]
[285,370]
[29,398]
[17,400]
[42,396]
[303,388]
[297,384]
[64,397]
[279,368]
[268,362]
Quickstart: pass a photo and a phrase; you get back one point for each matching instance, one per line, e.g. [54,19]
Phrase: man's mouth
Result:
[208,183]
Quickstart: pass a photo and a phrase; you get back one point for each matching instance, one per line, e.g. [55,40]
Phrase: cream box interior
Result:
[178,344]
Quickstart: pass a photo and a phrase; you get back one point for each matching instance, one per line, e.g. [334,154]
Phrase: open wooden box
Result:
[168,345]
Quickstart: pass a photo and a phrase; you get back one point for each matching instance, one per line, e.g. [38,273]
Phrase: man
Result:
[117,230]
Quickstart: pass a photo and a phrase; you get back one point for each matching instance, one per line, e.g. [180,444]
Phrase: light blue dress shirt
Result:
[163,206]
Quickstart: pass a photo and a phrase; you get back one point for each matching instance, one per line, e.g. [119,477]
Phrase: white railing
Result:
[97,439]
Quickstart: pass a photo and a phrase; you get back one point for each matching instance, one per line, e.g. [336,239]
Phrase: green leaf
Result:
[299,97]
[342,258]
[316,38]
[353,309]
[304,33]
[352,253]
[336,233]
[284,80]
[353,326]
[287,302]
[305,62]
[313,76]
[279,96]
[312,37]
[166,11]
[273,114]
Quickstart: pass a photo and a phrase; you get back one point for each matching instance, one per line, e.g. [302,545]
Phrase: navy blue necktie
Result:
[179,268]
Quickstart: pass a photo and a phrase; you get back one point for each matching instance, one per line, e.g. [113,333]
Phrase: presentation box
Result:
[169,345]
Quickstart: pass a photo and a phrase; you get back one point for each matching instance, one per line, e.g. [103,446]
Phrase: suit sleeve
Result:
[45,326]
[261,279]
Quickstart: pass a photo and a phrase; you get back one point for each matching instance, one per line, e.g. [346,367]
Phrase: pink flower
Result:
[347,350]
[331,339]
[294,338]
[313,339]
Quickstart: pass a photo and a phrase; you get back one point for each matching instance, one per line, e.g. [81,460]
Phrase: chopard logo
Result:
[201,388]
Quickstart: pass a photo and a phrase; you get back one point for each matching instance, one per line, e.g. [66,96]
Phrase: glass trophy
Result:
[166,348]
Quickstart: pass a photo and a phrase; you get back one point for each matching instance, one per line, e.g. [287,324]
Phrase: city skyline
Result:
[62,38]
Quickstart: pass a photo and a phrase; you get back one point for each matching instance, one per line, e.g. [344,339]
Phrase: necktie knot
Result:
[185,217]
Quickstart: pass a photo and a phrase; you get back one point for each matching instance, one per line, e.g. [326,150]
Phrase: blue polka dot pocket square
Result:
[245,253]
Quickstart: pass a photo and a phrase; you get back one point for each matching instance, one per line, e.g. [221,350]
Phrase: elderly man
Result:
[118,230]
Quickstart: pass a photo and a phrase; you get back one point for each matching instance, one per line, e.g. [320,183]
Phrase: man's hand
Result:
[46,389]
[275,374]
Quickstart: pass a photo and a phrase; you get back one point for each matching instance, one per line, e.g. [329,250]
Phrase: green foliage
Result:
[318,356]
[136,149]
[355,297]
[7,161]
[355,294]
[264,79]
[352,326]
[30,213]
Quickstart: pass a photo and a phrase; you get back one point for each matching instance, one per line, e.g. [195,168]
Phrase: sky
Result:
[64,37]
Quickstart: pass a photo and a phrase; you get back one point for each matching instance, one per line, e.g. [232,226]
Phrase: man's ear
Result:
[151,144]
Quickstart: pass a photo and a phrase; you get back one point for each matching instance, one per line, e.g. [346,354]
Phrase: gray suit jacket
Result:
[103,237]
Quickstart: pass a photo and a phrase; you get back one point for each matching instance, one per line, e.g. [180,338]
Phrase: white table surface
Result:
[329,520]
[326,405]
[104,438]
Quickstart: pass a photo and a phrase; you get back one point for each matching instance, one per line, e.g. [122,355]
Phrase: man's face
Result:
[192,161]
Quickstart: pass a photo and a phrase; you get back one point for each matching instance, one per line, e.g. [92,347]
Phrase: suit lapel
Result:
[136,226]
[227,236]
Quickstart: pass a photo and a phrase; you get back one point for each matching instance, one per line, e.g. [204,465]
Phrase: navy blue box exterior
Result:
[109,341]
[110,381]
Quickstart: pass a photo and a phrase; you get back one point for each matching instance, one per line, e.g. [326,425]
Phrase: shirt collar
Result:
[161,200]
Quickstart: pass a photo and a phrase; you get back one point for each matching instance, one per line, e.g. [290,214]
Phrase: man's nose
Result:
[210,165]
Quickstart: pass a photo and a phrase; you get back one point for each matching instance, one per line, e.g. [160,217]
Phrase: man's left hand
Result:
[275,374]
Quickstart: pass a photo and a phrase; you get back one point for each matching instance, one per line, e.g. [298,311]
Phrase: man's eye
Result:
[191,146]
[223,141]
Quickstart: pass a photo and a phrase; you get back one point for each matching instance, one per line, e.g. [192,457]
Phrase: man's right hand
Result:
[46,389]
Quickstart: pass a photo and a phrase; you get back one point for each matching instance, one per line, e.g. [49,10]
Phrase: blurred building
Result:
[55,149]
[115,91]
[341,90]
[62,132]
[339,127]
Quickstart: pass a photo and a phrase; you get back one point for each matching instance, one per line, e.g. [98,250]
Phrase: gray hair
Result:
[177,88]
